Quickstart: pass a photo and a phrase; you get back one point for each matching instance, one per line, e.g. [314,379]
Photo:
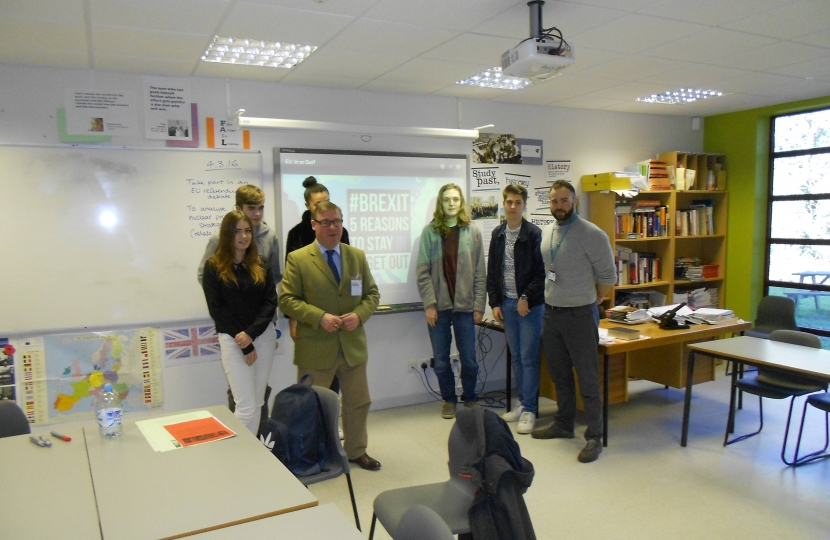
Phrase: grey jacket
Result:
[470,281]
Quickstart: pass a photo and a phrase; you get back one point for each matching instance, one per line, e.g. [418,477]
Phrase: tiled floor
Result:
[643,486]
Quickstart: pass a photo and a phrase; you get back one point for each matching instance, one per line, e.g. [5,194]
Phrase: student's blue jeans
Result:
[465,341]
[524,336]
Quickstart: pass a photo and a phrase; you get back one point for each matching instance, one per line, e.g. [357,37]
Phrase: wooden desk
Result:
[146,494]
[796,359]
[46,492]
[323,522]
[660,358]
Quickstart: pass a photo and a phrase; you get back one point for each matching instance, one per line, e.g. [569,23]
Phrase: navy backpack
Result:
[296,431]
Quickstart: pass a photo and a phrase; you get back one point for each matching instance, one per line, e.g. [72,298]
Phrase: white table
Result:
[146,494]
[323,522]
[46,492]
[795,359]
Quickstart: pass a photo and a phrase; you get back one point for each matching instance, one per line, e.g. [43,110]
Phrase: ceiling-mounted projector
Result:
[543,55]
[537,59]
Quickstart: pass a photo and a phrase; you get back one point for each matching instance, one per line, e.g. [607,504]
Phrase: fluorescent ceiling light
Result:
[494,78]
[254,52]
[684,95]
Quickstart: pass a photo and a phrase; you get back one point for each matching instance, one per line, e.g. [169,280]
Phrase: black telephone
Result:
[668,322]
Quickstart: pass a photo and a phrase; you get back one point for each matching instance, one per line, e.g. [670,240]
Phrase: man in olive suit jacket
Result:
[328,289]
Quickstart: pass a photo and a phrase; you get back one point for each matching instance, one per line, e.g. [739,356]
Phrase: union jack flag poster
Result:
[194,344]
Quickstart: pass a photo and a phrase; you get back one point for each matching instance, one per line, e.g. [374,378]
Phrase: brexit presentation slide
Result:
[387,199]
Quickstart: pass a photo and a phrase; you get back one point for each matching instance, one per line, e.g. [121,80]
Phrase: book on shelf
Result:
[697,220]
[634,268]
[658,175]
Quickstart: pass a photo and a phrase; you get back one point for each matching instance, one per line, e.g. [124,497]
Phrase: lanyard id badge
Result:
[551,276]
[357,286]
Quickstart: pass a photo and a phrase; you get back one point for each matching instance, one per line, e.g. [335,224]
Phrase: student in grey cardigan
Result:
[451,282]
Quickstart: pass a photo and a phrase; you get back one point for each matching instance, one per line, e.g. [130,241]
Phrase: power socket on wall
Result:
[413,364]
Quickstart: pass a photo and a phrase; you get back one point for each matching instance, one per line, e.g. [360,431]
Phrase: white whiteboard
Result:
[63,269]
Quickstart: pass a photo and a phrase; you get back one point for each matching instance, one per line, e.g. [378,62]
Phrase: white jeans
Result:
[248,382]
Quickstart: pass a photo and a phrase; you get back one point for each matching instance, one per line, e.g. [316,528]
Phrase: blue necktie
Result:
[330,256]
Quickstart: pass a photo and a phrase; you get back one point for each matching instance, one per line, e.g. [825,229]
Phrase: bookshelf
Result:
[705,242]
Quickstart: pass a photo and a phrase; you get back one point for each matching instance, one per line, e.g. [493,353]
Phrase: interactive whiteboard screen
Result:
[386,198]
[98,237]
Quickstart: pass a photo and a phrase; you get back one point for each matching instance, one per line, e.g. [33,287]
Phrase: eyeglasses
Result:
[329,223]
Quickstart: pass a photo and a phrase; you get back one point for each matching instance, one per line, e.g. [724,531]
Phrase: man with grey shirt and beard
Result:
[579,271]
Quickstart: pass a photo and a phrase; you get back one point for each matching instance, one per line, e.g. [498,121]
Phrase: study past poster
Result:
[167,109]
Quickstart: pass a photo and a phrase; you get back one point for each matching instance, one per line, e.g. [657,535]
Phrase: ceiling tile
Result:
[819,39]
[754,83]
[634,33]
[569,17]
[472,92]
[708,44]
[711,12]
[135,41]
[43,34]
[186,16]
[68,11]
[631,68]
[459,15]
[814,69]
[231,71]
[587,102]
[271,23]
[624,5]
[473,48]
[352,8]
[365,65]
[773,56]
[629,91]
[63,57]
[789,21]
[407,40]
[695,76]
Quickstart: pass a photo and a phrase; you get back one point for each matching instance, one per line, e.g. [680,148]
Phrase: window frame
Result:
[770,241]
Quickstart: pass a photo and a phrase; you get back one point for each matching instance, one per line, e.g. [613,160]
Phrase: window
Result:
[798,217]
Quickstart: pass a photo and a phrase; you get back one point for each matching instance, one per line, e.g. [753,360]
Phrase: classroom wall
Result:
[595,141]
[744,138]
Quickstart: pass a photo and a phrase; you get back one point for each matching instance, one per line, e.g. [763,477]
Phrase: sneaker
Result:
[526,423]
[514,414]
[591,451]
[552,432]
[448,410]
[471,404]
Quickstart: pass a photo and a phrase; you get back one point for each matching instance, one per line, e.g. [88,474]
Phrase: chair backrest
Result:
[787,380]
[460,449]
[776,312]
[331,415]
[12,420]
[422,523]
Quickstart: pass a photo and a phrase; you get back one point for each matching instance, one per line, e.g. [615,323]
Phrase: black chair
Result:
[773,384]
[12,420]
[338,463]
[822,403]
[774,313]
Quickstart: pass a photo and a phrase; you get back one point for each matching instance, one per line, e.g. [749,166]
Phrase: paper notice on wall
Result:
[100,112]
[167,109]
[558,170]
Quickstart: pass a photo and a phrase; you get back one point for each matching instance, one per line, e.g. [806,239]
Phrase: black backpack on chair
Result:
[296,431]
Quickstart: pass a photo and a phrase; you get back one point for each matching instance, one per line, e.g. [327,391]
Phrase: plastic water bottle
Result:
[109,413]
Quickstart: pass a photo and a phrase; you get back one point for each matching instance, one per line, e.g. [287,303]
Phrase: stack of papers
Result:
[627,315]
[712,315]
